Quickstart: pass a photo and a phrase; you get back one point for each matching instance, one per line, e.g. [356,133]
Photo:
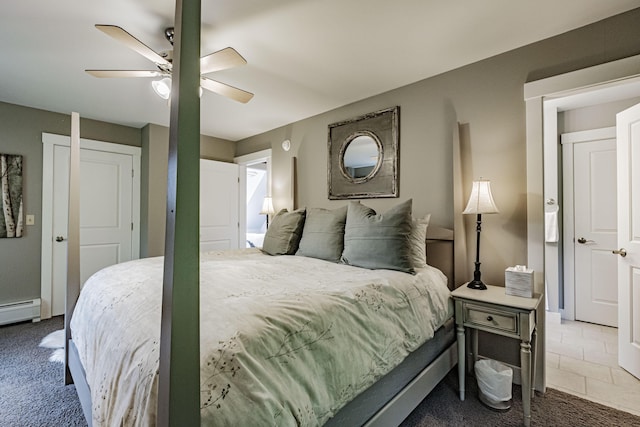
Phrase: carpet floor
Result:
[32,394]
[32,390]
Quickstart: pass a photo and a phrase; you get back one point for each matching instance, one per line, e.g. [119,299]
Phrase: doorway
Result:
[546,100]
[257,190]
[255,186]
[109,212]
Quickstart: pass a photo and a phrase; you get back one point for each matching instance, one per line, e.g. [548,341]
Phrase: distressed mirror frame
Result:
[383,127]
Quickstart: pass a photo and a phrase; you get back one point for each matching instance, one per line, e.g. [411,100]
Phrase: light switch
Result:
[31,219]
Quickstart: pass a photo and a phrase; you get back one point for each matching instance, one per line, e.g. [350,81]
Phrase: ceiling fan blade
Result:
[133,43]
[226,90]
[125,73]
[221,60]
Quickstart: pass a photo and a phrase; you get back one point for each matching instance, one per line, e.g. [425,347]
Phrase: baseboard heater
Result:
[20,311]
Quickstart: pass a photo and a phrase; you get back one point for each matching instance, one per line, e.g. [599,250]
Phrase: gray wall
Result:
[593,117]
[21,131]
[487,98]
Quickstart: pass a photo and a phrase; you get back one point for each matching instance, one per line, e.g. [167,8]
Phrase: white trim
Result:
[568,312]
[49,141]
[585,79]
[550,185]
[20,311]
[263,156]
[91,144]
[588,135]
[46,269]
[251,158]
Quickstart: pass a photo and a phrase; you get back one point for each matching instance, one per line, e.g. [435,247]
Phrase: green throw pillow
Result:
[418,239]
[378,241]
[323,234]
[283,234]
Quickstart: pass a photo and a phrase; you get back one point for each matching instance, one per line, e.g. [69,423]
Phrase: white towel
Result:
[551,226]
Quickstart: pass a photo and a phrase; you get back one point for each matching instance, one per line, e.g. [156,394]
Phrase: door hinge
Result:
[131,226]
[132,173]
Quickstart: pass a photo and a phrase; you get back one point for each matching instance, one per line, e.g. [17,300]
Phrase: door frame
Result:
[544,99]
[49,141]
[568,265]
[263,156]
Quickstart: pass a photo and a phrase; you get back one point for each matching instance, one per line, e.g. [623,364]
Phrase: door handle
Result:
[622,252]
[60,239]
[582,241]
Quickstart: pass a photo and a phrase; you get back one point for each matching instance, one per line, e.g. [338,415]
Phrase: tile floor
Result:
[582,360]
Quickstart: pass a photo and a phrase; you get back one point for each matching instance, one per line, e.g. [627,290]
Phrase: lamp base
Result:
[477,284]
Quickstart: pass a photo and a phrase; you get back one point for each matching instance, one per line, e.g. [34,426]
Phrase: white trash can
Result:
[494,383]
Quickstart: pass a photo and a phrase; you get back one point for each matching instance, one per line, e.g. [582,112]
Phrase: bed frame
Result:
[179,405]
[401,403]
[439,359]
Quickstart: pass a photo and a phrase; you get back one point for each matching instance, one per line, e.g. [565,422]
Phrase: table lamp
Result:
[267,208]
[480,202]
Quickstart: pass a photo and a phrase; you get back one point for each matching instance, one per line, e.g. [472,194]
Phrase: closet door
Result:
[219,188]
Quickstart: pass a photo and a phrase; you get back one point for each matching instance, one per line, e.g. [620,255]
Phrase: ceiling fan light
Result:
[162,87]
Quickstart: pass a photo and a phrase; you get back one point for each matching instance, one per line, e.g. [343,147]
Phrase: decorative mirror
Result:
[363,156]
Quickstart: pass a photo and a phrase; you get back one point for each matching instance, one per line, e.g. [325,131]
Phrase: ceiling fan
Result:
[216,61]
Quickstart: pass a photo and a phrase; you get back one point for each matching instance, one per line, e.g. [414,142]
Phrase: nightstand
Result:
[493,311]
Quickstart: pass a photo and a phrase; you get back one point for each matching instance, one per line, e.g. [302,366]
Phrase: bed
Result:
[298,339]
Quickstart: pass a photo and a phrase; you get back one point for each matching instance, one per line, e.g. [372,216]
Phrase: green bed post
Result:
[179,375]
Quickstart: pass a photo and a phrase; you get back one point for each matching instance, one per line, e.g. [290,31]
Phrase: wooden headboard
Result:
[440,251]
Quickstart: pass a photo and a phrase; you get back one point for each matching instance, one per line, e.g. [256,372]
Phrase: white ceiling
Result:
[304,56]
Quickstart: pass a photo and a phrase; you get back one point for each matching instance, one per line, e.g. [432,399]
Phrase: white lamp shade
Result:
[162,87]
[267,207]
[481,200]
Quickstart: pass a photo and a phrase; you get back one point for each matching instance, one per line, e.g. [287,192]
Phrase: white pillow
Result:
[418,241]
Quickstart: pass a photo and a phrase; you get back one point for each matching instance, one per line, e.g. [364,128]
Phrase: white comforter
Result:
[285,340]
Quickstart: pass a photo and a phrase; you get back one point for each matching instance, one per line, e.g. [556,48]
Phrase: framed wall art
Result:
[11,224]
[363,156]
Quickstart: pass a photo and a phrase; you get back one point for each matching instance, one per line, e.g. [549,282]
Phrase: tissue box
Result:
[518,281]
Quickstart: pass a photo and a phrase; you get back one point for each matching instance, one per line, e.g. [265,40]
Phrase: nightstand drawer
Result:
[494,319]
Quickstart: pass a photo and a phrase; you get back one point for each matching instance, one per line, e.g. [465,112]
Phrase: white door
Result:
[106,212]
[219,187]
[595,232]
[628,135]
[100,171]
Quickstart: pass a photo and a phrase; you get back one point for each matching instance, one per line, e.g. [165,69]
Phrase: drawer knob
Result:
[489,318]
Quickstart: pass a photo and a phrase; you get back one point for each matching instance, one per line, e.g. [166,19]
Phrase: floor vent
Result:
[20,311]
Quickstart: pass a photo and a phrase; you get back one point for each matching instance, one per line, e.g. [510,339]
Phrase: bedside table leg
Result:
[461,360]
[525,379]
[474,350]
[534,356]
